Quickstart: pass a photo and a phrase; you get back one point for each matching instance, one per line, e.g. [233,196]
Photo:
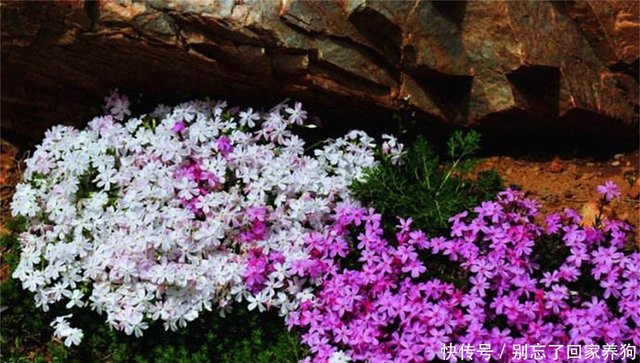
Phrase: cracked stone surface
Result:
[497,66]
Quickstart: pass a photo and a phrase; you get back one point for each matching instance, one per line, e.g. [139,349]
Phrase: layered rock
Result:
[520,65]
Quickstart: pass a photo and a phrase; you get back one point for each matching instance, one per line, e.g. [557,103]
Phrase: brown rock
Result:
[590,212]
[556,166]
[500,66]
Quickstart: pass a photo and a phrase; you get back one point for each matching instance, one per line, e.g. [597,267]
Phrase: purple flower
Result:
[224,145]
[178,127]
[609,190]
[404,225]
[552,223]
[573,235]
[356,307]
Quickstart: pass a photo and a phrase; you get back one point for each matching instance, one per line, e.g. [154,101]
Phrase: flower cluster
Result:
[160,216]
[378,302]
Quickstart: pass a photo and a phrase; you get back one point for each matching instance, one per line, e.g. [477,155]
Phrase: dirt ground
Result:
[9,177]
[571,182]
[556,182]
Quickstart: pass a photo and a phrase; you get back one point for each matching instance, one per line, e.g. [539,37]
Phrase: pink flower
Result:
[609,190]
[224,146]
[389,307]
[178,127]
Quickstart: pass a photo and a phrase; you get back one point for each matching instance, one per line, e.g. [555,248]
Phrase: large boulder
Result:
[505,67]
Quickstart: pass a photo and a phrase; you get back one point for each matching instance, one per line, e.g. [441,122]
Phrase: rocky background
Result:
[519,70]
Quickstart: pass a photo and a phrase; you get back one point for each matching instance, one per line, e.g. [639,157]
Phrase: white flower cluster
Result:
[161,216]
[62,329]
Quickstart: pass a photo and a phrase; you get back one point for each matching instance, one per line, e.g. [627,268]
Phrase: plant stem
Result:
[448,175]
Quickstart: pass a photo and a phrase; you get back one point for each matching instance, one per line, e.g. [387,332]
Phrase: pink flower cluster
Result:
[259,267]
[378,302]
[203,181]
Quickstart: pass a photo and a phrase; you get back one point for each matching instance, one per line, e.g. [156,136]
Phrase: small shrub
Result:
[424,187]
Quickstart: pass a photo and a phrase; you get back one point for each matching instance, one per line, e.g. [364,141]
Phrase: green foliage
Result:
[430,191]
[87,185]
[426,188]
[242,336]
[22,323]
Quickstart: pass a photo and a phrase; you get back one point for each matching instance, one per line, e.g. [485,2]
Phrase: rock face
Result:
[504,67]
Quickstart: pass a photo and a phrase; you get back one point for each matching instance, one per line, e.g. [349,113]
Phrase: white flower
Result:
[339,357]
[73,337]
[24,201]
[59,290]
[256,301]
[75,298]
[62,329]
[33,280]
[187,188]
[248,117]
[161,111]
[393,148]
[297,115]
[106,177]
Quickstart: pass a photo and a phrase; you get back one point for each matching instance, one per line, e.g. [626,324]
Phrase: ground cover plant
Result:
[379,303]
[193,233]
[429,187]
[26,333]
[426,186]
[166,215]
[258,337]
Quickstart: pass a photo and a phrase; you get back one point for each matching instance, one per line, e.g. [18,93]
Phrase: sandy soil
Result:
[571,182]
